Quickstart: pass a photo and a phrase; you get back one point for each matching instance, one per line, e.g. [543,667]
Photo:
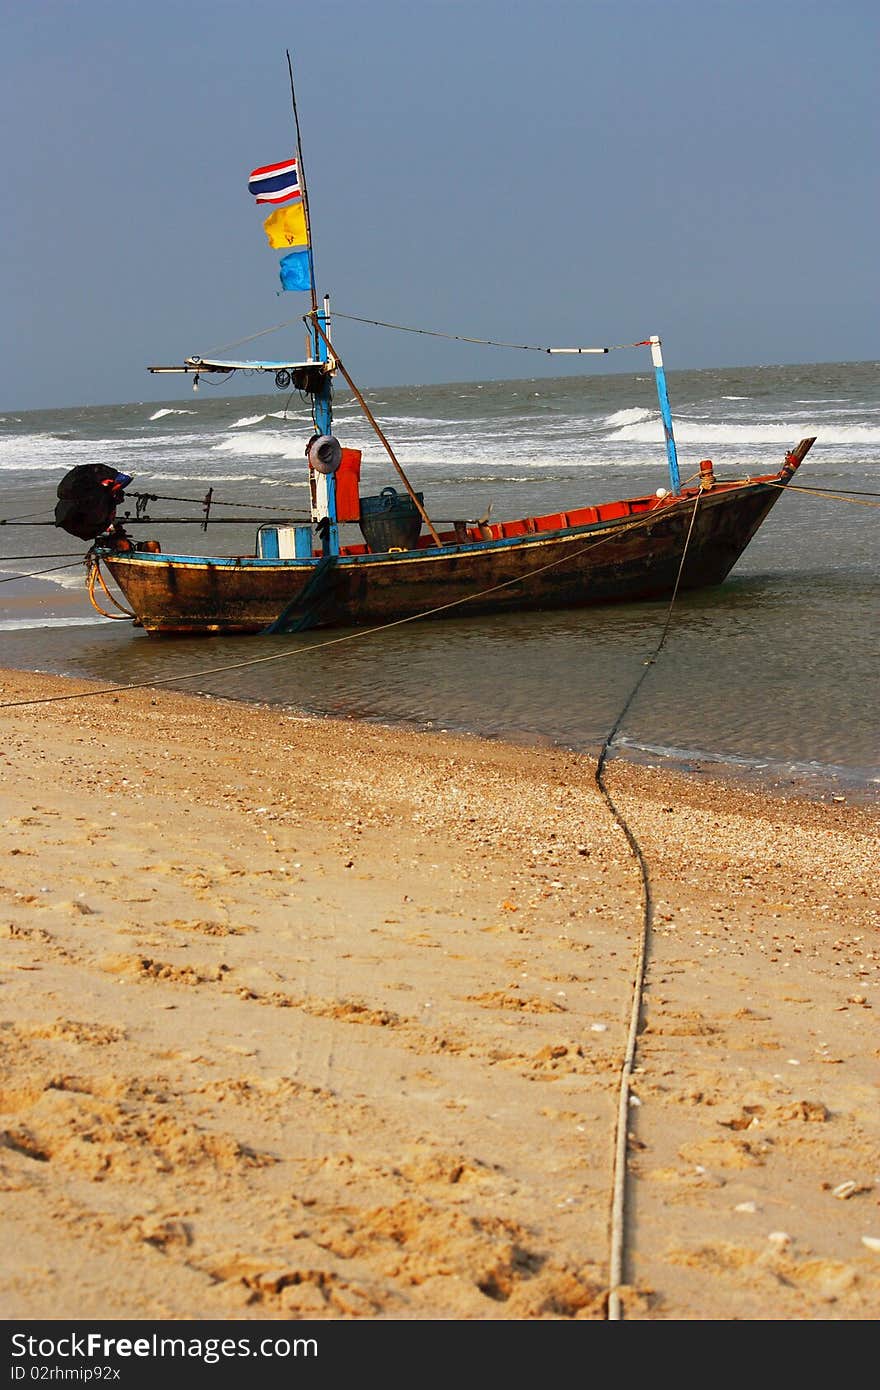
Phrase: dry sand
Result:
[307,1019]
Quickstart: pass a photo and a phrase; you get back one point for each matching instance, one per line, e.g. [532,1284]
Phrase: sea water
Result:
[773,674]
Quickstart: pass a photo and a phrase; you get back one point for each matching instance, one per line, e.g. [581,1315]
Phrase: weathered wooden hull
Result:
[634,556]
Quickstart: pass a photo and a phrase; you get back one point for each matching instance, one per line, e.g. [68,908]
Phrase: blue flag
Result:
[295,271]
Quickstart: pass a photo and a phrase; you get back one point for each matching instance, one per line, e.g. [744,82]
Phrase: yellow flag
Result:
[287,226]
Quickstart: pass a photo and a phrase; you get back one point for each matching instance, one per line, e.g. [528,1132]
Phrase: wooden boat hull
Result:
[634,556]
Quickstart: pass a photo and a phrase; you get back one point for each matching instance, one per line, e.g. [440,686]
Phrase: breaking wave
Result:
[265,443]
[622,418]
[753,432]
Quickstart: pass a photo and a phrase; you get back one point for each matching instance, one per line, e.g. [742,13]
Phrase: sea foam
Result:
[754,432]
[262,444]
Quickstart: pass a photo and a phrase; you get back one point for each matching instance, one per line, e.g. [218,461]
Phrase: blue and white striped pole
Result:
[666,413]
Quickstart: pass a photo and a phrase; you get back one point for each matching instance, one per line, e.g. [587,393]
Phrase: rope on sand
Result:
[618,1206]
[618,1201]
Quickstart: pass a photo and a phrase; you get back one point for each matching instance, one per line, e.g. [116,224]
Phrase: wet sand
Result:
[315,1019]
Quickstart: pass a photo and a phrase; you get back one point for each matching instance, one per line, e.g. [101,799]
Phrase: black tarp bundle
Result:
[87,499]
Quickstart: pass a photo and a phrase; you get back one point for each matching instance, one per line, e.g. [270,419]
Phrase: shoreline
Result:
[317,1018]
[771,776]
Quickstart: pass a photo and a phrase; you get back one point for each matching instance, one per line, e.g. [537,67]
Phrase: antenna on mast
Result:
[302,180]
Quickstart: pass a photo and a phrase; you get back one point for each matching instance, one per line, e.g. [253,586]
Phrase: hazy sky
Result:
[573,171]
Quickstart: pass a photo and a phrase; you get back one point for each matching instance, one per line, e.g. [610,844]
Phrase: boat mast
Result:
[302,184]
[324,493]
[324,484]
[663,397]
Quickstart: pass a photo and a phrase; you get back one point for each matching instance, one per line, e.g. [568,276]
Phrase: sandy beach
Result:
[313,1019]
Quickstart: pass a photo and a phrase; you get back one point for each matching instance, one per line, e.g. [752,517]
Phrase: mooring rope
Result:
[648,517]
[95,574]
[618,1202]
[836,494]
[617,1235]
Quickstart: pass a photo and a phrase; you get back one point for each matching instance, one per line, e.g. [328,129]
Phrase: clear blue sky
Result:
[573,171]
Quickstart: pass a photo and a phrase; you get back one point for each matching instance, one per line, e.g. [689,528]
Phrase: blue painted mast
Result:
[323,416]
[324,497]
[666,413]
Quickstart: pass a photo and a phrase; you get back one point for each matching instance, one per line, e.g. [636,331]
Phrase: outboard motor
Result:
[87,499]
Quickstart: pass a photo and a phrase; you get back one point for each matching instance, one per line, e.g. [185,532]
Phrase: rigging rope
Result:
[835,494]
[483,342]
[34,574]
[250,338]
[5,521]
[57,555]
[427,332]
[200,501]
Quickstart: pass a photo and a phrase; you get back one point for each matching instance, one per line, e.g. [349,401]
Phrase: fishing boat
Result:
[399,565]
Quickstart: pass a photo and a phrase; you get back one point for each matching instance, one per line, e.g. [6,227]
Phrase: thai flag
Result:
[276,183]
